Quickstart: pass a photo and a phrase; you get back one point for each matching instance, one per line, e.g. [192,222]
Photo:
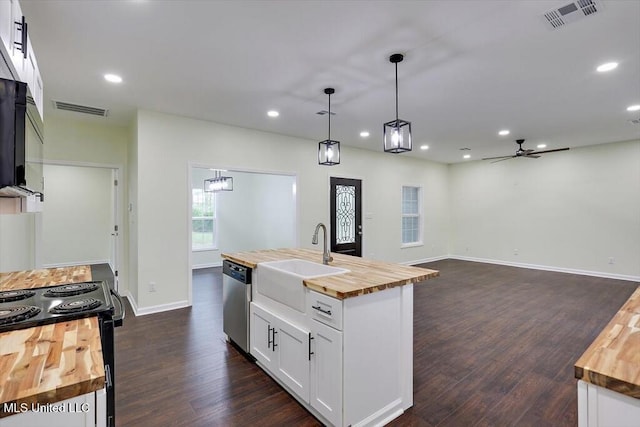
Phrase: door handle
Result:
[310,352]
[274,339]
[269,336]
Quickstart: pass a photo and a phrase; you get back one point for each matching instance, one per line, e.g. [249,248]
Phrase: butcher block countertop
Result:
[365,275]
[613,359]
[30,279]
[50,363]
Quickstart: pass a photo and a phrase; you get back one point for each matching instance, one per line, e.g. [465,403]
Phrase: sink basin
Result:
[282,280]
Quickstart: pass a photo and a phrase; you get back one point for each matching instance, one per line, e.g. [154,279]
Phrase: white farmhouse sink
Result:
[282,280]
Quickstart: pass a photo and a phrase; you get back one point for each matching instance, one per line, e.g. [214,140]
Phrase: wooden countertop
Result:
[613,359]
[50,363]
[30,279]
[365,276]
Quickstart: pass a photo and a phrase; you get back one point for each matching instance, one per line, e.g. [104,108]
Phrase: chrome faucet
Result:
[326,256]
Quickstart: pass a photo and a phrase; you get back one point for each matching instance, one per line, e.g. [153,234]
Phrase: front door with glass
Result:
[346,216]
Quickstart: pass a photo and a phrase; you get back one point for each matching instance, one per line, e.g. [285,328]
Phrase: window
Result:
[411,216]
[203,220]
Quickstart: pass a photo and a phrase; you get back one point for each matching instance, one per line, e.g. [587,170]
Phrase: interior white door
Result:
[78,216]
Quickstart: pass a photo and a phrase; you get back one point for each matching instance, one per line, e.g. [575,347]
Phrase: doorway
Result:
[79,221]
[346,216]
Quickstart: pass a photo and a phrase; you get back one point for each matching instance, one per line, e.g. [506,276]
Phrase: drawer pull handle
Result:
[327,312]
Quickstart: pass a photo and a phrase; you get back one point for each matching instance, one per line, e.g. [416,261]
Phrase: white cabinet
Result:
[282,348]
[349,362]
[6,24]
[325,394]
[261,336]
[15,41]
[601,407]
[80,411]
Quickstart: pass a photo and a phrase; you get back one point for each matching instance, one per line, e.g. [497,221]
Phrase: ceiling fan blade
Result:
[499,157]
[502,159]
[550,151]
[531,156]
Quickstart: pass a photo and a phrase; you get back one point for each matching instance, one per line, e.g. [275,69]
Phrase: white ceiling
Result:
[471,68]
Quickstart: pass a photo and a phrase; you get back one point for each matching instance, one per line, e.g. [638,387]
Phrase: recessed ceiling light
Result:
[113,78]
[503,132]
[273,113]
[424,147]
[466,156]
[607,67]
[364,134]
[633,108]
[542,145]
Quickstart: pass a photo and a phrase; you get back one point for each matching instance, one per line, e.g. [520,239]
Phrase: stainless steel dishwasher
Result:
[236,297]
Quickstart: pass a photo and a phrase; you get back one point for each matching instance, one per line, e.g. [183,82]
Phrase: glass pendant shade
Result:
[397,133]
[397,136]
[329,150]
[218,183]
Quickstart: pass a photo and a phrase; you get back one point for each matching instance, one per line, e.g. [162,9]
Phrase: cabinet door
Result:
[326,372]
[261,344]
[6,24]
[16,52]
[292,349]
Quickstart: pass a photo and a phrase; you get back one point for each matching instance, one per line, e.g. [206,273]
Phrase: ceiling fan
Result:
[521,152]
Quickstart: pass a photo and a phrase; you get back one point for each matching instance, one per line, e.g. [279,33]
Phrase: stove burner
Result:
[77,306]
[17,313]
[18,295]
[71,289]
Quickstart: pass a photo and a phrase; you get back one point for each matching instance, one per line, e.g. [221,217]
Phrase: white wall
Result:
[77,221]
[90,141]
[167,144]
[17,245]
[570,210]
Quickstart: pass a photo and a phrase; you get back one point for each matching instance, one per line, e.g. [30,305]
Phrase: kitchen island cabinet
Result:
[348,355]
[608,372]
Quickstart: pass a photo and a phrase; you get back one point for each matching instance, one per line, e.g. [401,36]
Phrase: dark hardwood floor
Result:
[493,346]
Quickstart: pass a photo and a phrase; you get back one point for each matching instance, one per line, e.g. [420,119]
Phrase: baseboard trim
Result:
[207,265]
[602,274]
[72,264]
[424,260]
[138,311]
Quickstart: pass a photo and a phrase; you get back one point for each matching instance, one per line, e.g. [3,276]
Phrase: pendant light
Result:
[329,150]
[397,133]
[218,183]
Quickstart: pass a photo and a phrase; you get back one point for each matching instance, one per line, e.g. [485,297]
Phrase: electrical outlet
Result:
[152,286]
[612,260]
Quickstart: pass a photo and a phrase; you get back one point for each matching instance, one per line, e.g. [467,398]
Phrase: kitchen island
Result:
[608,372]
[346,352]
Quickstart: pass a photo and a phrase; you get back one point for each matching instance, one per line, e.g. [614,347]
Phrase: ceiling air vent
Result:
[578,9]
[94,111]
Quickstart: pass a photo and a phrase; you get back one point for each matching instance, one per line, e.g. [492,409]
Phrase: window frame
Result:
[213,218]
[419,215]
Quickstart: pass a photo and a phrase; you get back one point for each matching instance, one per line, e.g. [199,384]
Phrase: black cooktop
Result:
[34,307]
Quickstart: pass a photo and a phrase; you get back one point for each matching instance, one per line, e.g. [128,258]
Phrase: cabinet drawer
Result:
[325,309]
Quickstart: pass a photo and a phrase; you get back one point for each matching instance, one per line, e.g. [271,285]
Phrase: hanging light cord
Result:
[329,117]
[396,91]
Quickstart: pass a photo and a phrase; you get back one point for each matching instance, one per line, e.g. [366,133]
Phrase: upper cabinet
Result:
[18,58]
